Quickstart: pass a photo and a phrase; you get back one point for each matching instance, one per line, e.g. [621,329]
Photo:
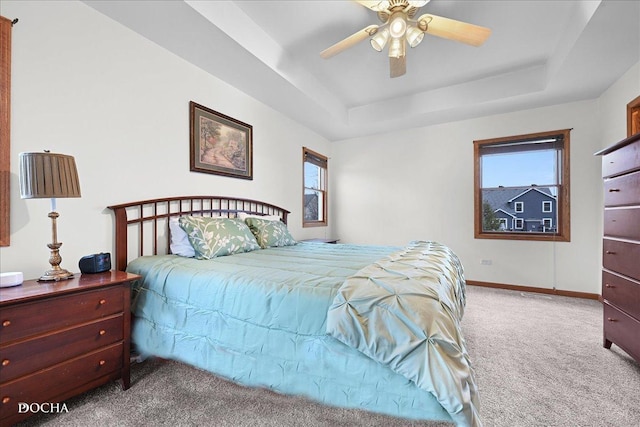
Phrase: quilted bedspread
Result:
[404,311]
[370,327]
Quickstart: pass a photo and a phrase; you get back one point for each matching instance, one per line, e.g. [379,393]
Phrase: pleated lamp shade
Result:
[48,175]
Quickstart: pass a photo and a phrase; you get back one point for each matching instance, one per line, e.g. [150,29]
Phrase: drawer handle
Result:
[608,286]
[614,190]
[611,319]
[6,399]
[6,362]
[6,323]
[102,332]
[610,252]
[103,301]
[102,363]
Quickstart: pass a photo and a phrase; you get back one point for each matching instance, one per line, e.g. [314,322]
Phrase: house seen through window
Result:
[315,167]
[522,187]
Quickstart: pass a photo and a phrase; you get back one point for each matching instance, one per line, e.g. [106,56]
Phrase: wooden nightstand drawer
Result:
[50,349]
[622,330]
[621,257]
[29,319]
[47,385]
[621,292]
[622,191]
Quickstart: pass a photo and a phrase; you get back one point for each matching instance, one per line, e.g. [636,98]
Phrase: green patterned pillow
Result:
[270,233]
[214,237]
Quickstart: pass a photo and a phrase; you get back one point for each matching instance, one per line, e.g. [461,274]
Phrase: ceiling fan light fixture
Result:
[418,3]
[398,25]
[414,36]
[380,39]
[397,48]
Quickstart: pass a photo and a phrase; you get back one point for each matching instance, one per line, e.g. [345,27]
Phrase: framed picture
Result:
[219,144]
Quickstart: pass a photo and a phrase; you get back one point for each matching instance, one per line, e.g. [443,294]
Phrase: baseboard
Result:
[560,292]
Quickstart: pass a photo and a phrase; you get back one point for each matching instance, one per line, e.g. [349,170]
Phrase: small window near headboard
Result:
[314,195]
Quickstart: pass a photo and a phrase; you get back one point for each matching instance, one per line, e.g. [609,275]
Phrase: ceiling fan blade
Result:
[349,41]
[397,66]
[453,30]
[371,4]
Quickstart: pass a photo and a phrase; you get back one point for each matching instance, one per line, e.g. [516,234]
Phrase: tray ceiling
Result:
[539,53]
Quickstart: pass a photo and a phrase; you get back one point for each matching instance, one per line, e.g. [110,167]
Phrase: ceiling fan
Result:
[399,28]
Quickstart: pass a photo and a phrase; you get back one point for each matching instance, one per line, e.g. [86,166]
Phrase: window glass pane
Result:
[313,209]
[520,169]
[520,208]
[311,176]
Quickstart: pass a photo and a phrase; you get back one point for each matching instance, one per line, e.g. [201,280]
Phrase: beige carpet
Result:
[539,361]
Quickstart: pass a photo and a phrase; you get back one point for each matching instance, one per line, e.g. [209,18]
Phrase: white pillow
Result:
[244,215]
[180,244]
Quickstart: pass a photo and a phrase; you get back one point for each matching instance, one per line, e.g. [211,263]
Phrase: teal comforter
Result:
[262,319]
[404,311]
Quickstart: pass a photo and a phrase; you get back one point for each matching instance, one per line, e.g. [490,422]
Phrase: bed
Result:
[368,327]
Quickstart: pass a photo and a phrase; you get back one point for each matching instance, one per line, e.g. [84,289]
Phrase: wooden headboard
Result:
[142,227]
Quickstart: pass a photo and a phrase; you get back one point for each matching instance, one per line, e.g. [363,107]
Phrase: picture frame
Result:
[219,144]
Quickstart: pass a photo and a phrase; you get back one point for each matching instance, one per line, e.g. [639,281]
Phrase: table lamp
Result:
[52,176]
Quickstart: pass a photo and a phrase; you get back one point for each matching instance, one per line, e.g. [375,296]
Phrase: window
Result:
[515,171]
[314,197]
[519,207]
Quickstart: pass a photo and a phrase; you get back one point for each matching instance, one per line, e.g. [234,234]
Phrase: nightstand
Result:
[60,339]
[322,240]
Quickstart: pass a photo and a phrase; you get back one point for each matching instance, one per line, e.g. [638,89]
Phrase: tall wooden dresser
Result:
[621,245]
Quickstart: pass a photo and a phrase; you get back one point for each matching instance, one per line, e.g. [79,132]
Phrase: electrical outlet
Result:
[486,262]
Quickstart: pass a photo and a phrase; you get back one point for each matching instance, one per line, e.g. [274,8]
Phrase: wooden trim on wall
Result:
[5,121]
[573,294]
[633,117]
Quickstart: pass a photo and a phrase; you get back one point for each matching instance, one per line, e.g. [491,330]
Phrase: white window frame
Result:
[549,204]
[517,221]
[546,221]
[518,207]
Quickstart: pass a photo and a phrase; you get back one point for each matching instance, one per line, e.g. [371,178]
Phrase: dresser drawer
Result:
[621,292]
[46,385]
[24,357]
[622,223]
[622,330]
[621,257]
[623,190]
[28,319]
[622,160]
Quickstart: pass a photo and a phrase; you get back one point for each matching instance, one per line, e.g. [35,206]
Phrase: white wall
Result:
[418,184]
[86,86]
[612,106]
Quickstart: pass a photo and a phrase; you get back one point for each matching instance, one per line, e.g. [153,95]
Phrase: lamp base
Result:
[55,275]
